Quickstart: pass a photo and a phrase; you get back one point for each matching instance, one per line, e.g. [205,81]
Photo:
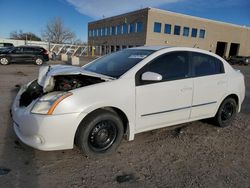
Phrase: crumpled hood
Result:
[46,74]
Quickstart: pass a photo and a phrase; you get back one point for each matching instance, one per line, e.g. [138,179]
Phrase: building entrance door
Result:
[221,48]
[234,49]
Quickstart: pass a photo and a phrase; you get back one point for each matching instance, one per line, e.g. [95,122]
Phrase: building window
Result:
[94,32]
[194,32]
[113,30]
[118,30]
[167,29]
[99,32]
[131,28]
[177,30]
[90,33]
[186,31]
[103,32]
[157,27]
[108,31]
[202,33]
[124,28]
[139,27]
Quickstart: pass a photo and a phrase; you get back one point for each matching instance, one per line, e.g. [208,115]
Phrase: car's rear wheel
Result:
[4,61]
[39,61]
[100,133]
[226,113]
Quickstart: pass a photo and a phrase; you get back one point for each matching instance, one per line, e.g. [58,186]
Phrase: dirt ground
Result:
[198,155]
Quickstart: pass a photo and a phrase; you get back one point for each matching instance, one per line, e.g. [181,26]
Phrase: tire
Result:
[226,113]
[38,61]
[100,133]
[4,61]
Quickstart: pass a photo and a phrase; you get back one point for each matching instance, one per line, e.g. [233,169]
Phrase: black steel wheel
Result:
[226,112]
[103,135]
[100,133]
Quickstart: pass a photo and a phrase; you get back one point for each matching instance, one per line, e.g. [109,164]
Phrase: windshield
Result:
[116,64]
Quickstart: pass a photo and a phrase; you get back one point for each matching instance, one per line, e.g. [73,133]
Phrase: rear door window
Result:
[28,50]
[204,65]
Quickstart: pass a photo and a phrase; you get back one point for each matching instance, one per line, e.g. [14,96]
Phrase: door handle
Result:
[186,89]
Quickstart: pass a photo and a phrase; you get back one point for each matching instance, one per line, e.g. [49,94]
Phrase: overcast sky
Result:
[32,15]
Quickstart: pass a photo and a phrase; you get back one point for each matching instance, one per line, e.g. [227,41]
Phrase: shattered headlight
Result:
[47,103]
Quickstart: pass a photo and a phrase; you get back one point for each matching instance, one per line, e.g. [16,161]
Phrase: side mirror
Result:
[151,76]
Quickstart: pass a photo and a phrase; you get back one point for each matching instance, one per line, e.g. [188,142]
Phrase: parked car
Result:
[34,54]
[125,93]
[241,60]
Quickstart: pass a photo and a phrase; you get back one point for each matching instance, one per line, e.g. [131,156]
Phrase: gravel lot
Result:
[197,155]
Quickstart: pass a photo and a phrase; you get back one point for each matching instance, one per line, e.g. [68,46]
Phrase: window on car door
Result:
[204,65]
[28,50]
[18,50]
[171,66]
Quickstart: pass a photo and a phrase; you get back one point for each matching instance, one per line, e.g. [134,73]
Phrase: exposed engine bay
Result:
[70,82]
[60,78]
[61,83]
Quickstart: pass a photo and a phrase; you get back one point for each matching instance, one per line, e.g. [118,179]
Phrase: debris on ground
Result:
[178,131]
[17,86]
[18,145]
[4,171]
[125,178]
[21,73]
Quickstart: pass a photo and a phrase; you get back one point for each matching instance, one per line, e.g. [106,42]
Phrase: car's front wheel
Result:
[100,133]
[39,61]
[226,113]
[4,61]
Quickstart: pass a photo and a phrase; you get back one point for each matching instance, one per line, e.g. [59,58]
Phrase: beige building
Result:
[152,26]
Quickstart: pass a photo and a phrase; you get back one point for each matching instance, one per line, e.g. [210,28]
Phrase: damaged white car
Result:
[125,93]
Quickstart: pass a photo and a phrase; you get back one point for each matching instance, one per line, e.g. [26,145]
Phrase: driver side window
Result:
[170,66]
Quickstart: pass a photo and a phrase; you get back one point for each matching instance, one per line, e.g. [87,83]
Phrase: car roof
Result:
[29,46]
[155,48]
[159,48]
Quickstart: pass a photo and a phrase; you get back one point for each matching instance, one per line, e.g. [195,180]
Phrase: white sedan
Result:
[125,93]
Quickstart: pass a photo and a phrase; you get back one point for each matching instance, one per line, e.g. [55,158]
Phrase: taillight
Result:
[46,52]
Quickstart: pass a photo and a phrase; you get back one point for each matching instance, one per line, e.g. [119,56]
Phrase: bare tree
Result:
[55,31]
[24,36]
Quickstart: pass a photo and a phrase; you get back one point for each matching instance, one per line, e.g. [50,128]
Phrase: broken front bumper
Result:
[44,132]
